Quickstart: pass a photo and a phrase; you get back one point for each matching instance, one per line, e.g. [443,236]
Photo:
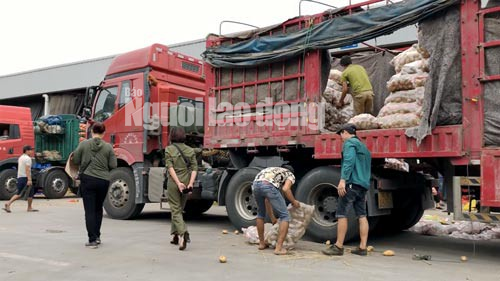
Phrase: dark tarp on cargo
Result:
[440,35]
[329,34]
[379,71]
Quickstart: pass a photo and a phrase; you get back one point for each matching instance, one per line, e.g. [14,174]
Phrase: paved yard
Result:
[49,245]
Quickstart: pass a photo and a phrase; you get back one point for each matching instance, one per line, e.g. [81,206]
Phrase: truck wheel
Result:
[401,218]
[408,217]
[56,184]
[8,184]
[240,203]
[120,201]
[319,188]
[197,207]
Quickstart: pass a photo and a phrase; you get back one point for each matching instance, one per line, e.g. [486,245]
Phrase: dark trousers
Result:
[93,192]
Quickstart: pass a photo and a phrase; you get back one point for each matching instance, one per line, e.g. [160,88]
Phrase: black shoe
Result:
[92,245]
[333,250]
[360,252]
[184,239]
[175,240]
[98,241]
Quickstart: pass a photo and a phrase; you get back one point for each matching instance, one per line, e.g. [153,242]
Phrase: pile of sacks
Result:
[335,117]
[299,220]
[403,107]
[52,155]
[462,230]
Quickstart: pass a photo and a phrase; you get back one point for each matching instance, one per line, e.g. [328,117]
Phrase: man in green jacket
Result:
[352,188]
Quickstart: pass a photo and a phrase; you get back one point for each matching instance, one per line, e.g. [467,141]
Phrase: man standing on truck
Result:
[361,88]
[352,188]
[266,188]
[24,182]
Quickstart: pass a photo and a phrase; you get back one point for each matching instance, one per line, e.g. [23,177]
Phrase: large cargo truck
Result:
[148,90]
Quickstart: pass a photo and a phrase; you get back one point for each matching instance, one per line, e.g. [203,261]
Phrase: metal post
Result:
[457,199]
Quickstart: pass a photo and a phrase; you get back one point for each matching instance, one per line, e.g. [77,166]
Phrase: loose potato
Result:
[389,253]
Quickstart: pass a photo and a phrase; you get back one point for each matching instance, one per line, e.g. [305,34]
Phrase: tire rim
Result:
[11,185]
[324,197]
[119,193]
[58,185]
[245,202]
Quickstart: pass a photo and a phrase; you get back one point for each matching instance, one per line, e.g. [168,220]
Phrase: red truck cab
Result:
[143,93]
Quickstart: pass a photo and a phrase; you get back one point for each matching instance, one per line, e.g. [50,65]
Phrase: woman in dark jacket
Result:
[96,159]
[182,167]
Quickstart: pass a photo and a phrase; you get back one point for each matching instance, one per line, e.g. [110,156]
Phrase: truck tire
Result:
[120,201]
[197,207]
[8,183]
[319,188]
[401,218]
[56,184]
[240,203]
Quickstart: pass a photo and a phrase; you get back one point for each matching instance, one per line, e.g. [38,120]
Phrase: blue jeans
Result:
[355,198]
[262,190]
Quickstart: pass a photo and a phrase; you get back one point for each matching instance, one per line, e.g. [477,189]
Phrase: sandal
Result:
[263,247]
[6,209]
[281,253]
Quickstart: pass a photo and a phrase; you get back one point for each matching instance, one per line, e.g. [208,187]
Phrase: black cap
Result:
[345,60]
[348,127]
[27,148]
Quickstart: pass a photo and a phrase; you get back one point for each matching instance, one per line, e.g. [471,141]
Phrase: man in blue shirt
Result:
[352,188]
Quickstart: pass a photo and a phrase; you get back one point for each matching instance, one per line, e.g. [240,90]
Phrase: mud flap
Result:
[155,184]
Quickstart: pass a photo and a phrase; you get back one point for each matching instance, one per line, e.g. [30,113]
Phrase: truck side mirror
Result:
[90,94]
[87,113]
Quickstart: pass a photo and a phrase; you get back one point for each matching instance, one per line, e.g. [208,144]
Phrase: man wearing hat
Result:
[354,183]
[361,88]
[24,180]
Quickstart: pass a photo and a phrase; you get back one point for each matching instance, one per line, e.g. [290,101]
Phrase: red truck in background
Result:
[148,90]
[16,128]
[52,149]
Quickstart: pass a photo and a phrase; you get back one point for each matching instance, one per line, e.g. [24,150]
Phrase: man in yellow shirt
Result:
[361,88]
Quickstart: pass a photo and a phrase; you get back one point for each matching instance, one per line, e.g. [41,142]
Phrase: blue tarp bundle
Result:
[333,33]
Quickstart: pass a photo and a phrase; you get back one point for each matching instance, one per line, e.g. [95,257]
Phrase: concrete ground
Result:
[49,245]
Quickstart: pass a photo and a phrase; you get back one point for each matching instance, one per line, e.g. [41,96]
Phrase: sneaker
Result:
[360,252]
[333,250]
[92,245]
[98,241]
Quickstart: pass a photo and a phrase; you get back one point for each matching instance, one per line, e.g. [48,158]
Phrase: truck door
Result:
[119,105]
[10,141]
[105,108]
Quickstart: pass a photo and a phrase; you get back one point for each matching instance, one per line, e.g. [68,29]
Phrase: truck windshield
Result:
[188,114]
[105,105]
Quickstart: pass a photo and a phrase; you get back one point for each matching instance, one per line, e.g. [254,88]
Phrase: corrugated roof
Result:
[71,76]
